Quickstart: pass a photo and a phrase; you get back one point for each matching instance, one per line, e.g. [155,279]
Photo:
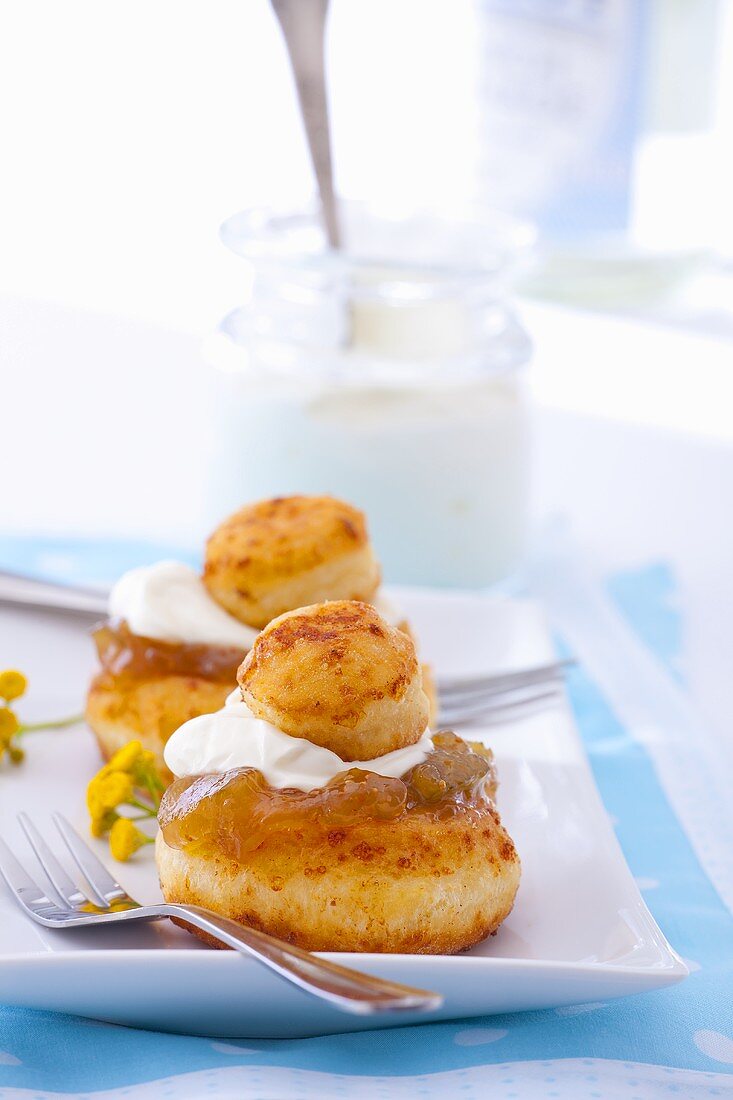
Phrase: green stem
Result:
[148,810]
[61,723]
[152,788]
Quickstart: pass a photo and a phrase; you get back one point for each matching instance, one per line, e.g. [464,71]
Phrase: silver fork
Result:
[102,900]
[500,697]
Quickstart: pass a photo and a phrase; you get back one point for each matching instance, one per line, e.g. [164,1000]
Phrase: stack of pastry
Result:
[175,639]
[316,804]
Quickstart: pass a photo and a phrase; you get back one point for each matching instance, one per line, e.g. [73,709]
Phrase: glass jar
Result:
[387,374]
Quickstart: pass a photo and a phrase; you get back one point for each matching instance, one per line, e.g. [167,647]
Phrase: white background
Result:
[129,131]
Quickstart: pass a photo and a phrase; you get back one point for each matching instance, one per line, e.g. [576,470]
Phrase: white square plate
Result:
[579,930]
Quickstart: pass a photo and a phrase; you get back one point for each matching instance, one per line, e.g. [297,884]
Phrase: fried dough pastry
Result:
[436,888]
[146,688]
[266,559]
[148,711]
[420,864]
[288,552]
[338,675]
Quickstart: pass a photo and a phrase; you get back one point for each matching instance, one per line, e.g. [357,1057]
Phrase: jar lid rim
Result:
[386,245]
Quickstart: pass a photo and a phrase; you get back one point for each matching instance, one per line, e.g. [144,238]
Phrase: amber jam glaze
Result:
[234,812]
[130,658]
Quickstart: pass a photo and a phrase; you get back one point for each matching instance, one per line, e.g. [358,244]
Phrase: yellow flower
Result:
[13,684]
[9,726]
[129,778]
[125,838]
[139,763]
[107,791]
[100,824]
[126,758]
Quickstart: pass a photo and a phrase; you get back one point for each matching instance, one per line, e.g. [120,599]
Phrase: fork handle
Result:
[346,989]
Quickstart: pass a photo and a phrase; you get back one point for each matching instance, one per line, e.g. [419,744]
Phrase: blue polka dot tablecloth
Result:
[675,1043]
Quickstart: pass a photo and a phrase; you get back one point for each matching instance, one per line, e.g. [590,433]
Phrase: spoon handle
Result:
[303,25]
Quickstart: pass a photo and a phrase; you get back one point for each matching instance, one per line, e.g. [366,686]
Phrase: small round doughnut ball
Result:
[289,552]
[338,675]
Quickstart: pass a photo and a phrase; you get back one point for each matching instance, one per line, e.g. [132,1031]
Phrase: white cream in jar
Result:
[388,374]
[442,472]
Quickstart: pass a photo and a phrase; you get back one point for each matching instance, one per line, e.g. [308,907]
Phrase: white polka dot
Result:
[7,1059]
[715,1045]
[477,1036]
[230,1048]
[578,1010]
[691,965]
[647,883]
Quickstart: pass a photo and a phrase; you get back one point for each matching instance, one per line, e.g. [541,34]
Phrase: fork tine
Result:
[492,693]
[505,680]
[493,712]
[516,712]
[65,887]
[30,895]
[105,888]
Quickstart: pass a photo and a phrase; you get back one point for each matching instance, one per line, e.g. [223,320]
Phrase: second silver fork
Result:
[499,696]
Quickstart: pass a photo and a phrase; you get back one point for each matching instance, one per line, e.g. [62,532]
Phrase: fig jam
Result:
[235,812]
[130,658]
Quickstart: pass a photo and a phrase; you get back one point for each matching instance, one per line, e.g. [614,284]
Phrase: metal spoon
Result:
[303,25]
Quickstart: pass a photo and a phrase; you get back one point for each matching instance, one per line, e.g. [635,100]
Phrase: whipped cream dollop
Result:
[234,738]
[169,601]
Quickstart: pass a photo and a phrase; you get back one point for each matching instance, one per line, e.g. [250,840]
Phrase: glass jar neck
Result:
[372,312]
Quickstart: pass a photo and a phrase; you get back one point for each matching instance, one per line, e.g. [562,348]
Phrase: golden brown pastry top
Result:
[338,675]
[278,554]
